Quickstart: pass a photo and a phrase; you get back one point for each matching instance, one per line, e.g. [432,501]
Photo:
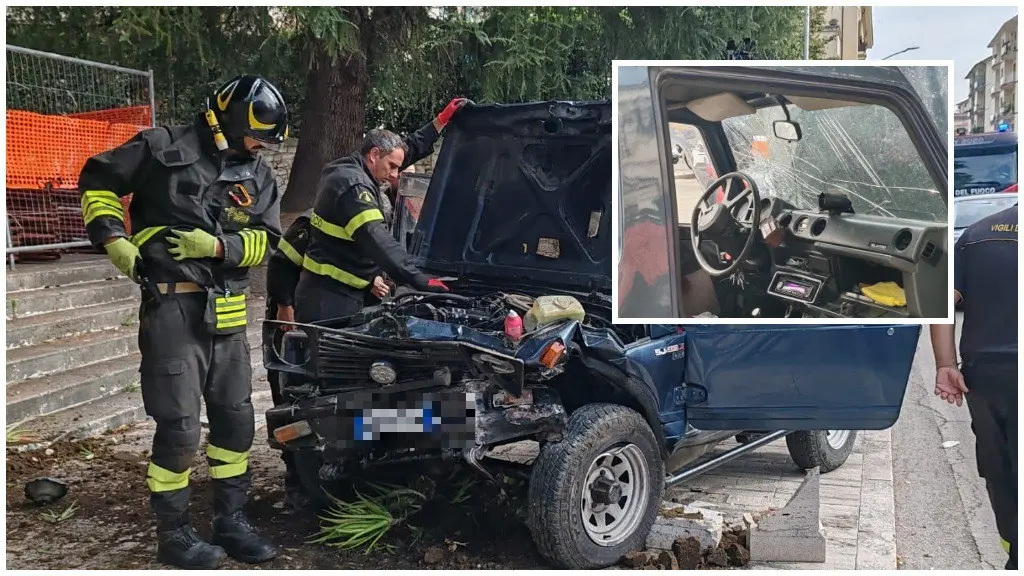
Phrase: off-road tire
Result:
[556,486]
[810,448]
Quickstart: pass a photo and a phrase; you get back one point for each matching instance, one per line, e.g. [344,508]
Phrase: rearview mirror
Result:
[786,130]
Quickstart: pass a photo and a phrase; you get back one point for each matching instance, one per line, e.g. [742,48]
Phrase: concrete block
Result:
[793,533]
[685,521]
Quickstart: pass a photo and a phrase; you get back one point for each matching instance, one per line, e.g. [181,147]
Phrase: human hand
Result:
[379,288]
[949,384]
[123,254]
[286,314]
[445,115]
[195,243]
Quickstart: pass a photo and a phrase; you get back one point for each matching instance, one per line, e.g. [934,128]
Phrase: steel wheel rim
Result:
[837,438]
[625,469]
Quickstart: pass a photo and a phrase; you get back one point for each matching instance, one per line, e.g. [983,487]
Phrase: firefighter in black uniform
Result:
[205,209]
[349,241]
[985,280]
[285,266]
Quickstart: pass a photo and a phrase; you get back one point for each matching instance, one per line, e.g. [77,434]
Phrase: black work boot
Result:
[183,548]
[239,539]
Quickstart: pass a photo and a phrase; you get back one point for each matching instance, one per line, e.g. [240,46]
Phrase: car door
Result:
[796,377]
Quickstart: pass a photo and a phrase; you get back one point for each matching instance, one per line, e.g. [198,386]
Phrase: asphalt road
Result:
[943,517]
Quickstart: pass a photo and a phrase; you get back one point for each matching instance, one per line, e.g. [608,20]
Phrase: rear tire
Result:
[824,449]
[594,495]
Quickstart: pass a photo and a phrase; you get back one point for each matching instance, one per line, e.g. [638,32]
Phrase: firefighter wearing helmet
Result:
[204,211]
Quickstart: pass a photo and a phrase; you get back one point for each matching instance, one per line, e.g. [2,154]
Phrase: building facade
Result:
[848,32]
[1003,88]
[993,83]
[962,117]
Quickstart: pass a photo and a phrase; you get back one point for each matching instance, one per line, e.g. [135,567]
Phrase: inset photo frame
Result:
[768,192]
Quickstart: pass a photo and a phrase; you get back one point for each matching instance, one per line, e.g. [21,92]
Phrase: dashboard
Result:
[831,264]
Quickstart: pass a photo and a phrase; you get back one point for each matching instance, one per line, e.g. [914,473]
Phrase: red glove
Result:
[446,115]
[436,283]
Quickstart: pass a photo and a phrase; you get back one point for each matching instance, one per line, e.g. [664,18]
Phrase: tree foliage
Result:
[346,69]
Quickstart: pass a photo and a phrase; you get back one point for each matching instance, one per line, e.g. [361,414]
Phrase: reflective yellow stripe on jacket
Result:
[334,272]
[288,250]
[96,203]
[345,232]
[254,247]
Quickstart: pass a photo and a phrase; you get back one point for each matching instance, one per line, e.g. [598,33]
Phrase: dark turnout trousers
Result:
[183,364]
[992,401]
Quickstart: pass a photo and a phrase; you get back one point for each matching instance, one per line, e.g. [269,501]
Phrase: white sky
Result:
[958,33]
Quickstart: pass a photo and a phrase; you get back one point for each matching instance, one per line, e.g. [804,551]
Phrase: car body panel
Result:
[969,209]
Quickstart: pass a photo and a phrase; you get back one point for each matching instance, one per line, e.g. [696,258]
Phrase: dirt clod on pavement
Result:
[686,555]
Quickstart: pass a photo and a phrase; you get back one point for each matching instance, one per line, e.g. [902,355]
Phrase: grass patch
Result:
[56,517]
[16,434]
[362,523]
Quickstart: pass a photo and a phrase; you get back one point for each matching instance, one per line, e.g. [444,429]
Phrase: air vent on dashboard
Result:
[901,241]
[931,253]
[818,227]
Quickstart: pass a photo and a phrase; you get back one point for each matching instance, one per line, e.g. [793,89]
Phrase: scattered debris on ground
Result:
[686,554]
[104,521]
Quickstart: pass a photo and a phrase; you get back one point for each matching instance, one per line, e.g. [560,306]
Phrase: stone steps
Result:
[69,270]
[44,328]
[28,303]
[72,347]
[94,399]
[70,353]
[105,413]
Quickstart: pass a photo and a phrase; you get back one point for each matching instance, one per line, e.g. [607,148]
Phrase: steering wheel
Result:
[718,221]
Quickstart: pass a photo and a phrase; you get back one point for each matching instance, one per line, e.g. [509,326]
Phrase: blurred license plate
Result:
[373,421]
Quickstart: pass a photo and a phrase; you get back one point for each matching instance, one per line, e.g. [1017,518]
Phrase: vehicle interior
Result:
[796,206]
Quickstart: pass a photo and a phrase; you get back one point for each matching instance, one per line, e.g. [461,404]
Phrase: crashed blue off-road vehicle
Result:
[518,210]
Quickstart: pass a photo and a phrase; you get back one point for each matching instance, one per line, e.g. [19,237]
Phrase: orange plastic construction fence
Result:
[45,155]
[135,115]
[45,150]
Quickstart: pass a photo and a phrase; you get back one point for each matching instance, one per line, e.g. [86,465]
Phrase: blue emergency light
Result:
[1003,126]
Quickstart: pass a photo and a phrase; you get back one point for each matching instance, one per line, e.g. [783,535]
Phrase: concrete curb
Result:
[876,530]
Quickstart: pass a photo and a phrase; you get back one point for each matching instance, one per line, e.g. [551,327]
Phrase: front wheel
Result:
[594,495]
[826,449]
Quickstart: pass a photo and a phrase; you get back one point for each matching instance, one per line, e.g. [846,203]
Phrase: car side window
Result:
[692,167]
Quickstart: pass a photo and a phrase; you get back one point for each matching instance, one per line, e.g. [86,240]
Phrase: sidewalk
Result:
[857,507]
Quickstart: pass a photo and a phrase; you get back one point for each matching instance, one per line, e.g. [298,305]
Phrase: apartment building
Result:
[962,117]
[848,32]
[978,96]
[993,83]
[1003,88]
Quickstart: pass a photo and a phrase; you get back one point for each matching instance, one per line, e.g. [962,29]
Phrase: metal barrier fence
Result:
[61,111]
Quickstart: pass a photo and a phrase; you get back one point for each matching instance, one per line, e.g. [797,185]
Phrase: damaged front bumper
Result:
[375,427]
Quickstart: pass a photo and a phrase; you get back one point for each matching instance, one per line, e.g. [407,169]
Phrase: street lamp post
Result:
[901,52]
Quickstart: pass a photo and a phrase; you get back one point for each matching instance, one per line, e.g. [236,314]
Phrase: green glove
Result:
[195,243]
[123,255]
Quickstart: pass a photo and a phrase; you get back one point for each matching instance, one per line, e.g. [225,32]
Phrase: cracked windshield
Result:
[861,150]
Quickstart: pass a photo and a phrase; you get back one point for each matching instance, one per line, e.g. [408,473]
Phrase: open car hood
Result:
[522,191]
